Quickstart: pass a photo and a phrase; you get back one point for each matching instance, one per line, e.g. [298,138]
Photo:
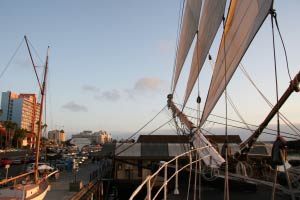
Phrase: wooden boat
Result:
[28,189]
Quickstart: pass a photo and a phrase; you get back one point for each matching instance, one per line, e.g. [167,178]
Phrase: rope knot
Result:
[272,12]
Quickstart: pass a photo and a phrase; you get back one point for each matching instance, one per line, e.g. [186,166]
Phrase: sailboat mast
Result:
[247,144]
[36,174]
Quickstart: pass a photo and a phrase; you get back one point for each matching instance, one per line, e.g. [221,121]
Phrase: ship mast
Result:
[42,89]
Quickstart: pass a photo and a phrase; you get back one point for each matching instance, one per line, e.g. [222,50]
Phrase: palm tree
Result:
[10,130]
[20,134]
[43,126]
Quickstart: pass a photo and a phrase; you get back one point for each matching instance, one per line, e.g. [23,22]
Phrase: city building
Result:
[23,109]
[100,137]
[57,136]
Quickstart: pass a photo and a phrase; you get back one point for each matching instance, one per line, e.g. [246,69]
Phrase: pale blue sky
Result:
[110,64]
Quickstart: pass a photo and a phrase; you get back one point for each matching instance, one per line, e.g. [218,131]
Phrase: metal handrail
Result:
[149,178]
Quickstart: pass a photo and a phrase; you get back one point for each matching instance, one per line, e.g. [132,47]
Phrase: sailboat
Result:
[201,22]
[38,188]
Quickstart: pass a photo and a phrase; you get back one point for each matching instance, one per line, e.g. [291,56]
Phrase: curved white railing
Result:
[151,178]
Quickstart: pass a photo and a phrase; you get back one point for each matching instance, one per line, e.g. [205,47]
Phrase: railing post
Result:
[190,174]
[166,182]
[176,191]
[149,189]
[200,171]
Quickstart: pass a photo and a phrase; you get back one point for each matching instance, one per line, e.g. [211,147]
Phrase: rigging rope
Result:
[275,68]
[200,169]
[282,117]
[195,176]
[232,104]
[226,187]
[143,126]
[181,9]
[135,143]
[207,131]
[35,51]
[33,64]
[232,120]
[190,174]
[267,133]
[279,144]
[11,59]
[198,80]
[286,58]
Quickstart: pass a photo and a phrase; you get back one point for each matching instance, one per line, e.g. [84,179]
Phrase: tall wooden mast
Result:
[42,89]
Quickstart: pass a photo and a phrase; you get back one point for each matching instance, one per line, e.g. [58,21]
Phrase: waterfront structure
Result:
[135,161]
[100,137]
[23,109]
[57,136]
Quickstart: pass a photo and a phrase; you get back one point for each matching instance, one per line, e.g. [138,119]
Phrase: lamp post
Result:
[6,167]
[75,168]
[23,192]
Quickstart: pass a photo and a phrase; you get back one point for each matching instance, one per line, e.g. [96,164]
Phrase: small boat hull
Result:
[30,191]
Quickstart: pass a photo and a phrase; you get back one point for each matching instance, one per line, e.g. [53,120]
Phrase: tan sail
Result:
[187,34]
[243,21]
[211,17]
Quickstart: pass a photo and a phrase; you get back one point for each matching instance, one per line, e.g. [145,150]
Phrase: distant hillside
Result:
[244,134]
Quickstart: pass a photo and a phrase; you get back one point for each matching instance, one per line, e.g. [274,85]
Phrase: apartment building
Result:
[23,109]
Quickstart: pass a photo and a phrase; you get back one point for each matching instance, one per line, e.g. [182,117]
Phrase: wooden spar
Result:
[247,144]
[36,174]
[42,89]
[15,178]
[177,112]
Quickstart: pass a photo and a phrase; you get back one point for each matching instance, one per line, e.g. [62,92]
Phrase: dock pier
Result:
[84,184]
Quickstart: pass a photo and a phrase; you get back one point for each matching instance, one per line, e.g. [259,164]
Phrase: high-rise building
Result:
[23,109]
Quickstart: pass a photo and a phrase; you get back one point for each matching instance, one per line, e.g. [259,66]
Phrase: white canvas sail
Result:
[211,17]
[243,21]
[187,34]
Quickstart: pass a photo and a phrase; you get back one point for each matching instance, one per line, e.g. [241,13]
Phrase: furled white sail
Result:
[210,155]
[211,17]
[243,21]
[187,34]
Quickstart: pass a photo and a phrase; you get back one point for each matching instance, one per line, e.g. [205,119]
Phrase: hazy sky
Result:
[111,62]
